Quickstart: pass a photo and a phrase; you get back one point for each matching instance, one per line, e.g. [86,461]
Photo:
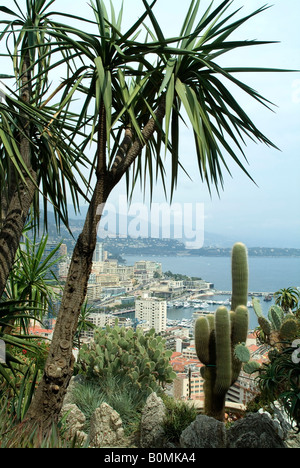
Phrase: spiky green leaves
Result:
[184,72]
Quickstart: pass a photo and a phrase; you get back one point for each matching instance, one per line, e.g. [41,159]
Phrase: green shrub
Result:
[179,416]
[279,380]
[118,392]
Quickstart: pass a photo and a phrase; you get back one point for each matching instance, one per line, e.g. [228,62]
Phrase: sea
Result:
[266,275]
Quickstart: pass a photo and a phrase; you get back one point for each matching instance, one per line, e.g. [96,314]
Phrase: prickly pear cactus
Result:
[289,329]
[115,350]
[278,327]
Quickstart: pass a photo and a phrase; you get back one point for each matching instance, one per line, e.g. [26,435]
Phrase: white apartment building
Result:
[100,320]
[152,312]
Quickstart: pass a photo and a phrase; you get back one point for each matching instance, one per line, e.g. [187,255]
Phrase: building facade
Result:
[152,312]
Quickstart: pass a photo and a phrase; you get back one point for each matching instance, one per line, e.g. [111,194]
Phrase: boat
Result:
[268,297]
[200,313]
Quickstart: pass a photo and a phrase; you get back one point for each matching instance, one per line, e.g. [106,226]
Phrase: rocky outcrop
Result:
[254,431]
[75,422]
[152,432]
[204,432]
[105,427]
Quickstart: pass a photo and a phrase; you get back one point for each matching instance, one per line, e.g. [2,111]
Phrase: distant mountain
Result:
[136,226]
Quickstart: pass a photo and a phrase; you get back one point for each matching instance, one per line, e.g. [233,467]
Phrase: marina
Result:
[183,312]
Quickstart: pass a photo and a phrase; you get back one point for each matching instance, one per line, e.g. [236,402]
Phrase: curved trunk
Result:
[49,396]
[48,399]
[21,192]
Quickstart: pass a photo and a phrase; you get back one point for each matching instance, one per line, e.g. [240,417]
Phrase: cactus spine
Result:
[215,340]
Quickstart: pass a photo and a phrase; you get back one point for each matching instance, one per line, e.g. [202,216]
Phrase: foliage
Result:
[114,68]
[14,435]
[279,328]
[280,380]
[119,351]
[83,323]
[54,155]
[32,280]
[27,297]
[287,298]
[180,277]
[179,415]
[29,291]
[21,374]
[115,390]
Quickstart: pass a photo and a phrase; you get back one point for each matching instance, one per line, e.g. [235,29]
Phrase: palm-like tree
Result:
[287,298]
[136,109]
[37,155]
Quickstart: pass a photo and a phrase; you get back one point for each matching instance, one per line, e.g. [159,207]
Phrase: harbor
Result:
[184,311]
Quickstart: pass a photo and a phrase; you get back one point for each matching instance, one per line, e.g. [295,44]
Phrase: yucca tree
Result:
[36,153]
[135,92]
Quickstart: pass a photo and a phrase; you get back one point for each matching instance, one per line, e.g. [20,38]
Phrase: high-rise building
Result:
[63,250]
[98,253]
[153,312]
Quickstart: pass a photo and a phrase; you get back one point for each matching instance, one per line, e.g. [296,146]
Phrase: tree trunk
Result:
[13,226]
[48,399]
[20,193]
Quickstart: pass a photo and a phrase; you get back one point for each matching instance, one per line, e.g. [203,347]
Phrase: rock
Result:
[68,399]
[75,421]
[204,432]
[105,427]
[153,415]
[280,419]
[293,440]
[254,431]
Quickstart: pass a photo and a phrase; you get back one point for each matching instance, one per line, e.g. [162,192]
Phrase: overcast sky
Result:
[266,214]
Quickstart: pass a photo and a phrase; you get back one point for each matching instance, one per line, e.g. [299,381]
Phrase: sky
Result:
[262,214]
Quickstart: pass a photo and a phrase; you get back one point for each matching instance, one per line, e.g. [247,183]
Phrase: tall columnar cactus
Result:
[216,337]
[215,349]
[239,275]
